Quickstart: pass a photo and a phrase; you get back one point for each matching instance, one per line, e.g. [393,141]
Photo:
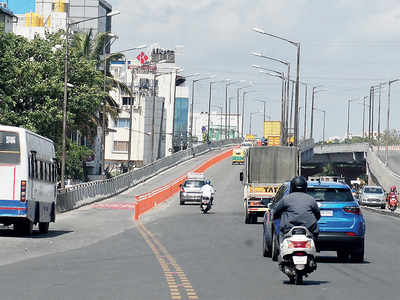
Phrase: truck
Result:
[272,132]
[265,170]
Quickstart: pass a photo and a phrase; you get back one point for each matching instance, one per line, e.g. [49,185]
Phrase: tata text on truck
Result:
[28,180]
[265,170]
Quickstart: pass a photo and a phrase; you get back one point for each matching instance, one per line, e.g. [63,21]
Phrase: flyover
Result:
[98,252]
[368,159]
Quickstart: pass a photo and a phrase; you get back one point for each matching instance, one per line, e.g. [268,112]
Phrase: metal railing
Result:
[87,193]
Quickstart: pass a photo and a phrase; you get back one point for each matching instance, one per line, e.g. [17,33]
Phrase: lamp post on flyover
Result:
[323,129]
[283,118]
[264,104]
[64,126]
[314,91]
[251,116]
[238,104]
[388,119]
[191,108]
[348,116]
[228,83]
[285,111]
[296,101]
[220,109]
[209,108]
[243,102]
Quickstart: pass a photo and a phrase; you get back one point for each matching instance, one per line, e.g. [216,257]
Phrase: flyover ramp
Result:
[217,254]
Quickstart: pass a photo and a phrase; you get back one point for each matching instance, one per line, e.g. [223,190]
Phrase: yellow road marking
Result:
[166,260]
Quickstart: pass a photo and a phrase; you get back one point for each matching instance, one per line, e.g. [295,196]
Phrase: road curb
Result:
[381,212]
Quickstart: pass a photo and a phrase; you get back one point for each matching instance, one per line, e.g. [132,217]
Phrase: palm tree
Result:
[93,48]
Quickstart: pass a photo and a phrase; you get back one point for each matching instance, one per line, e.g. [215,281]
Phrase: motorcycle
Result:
[392,202]
[205,204]
[297,254]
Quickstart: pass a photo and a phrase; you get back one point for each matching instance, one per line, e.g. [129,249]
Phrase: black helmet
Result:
[298,184]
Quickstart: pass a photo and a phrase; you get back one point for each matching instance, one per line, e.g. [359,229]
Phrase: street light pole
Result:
[297,44]
[64,126]
[209,108]
[312,109]
[388,120]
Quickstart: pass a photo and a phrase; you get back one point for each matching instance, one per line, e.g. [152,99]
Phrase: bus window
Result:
[41,170]
[9,148]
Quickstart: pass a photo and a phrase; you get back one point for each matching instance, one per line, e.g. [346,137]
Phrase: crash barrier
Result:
[87,193]
[147,201]
[385,177]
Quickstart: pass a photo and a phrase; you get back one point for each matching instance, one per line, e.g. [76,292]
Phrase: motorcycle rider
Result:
[298,209]
[208,191]
[393,192]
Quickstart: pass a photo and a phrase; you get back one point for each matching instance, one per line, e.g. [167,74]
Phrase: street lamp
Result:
[323,130]
[209,108]
[220,107]
[228,83]
[314,91]
[348,116]
[265,102]
[251,116]
[237,105]
[284,119]
[64,126]
[191,108]
[297,45]
[388,119]
[243,102]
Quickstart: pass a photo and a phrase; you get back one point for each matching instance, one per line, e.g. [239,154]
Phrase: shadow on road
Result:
[35,235]
[335,260]
[309,282]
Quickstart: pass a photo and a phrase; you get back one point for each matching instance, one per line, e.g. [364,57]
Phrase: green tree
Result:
[32,85]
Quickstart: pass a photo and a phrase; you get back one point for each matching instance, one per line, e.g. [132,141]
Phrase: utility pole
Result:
[348,118]
[363,123]
[305,112]
[312,112]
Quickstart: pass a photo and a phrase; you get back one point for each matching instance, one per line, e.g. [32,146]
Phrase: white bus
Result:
[28,175]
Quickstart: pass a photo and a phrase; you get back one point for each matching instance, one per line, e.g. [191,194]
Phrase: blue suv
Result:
[342,226]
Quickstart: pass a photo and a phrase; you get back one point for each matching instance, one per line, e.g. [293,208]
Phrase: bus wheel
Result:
[44,227]
[24,228]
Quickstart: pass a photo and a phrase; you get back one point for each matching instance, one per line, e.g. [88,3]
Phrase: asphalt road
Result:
[179,253]
[393,159]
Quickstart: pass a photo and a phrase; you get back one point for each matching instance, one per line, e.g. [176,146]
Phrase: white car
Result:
[373,196]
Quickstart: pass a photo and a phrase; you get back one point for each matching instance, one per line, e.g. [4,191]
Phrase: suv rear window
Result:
[331,194]
[194,183]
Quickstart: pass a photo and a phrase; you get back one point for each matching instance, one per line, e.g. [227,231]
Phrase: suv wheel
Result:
[358,256]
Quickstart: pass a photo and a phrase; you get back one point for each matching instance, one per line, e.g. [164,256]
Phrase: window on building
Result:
[122,123]
[120,146]
[127,100]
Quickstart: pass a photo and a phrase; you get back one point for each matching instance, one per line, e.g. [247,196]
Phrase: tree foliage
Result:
[32,90]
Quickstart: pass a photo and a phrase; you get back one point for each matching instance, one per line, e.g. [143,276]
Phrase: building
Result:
[50,16]
[217,126]
[171,111]
[7,18]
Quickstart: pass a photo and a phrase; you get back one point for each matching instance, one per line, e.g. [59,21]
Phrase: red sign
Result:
[142,57]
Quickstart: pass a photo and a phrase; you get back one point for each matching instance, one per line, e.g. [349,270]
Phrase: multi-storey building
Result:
[7,18]
[51,16]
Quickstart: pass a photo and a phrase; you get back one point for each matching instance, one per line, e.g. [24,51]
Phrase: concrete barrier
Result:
[146,202]
[87,193]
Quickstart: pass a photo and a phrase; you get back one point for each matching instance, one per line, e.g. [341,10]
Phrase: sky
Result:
[346,46]
[20,6]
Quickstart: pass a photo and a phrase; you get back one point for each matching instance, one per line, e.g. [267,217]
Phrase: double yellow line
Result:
[174,275]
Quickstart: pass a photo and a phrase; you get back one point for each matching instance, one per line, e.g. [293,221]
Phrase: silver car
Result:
[373,196]
[191,190]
